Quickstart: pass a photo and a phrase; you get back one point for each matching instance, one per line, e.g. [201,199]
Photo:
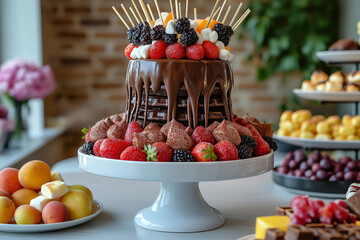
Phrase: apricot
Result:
[78,203]
[82,188]
[26,214]
[55,212]
[167,19]
[9,181]
[7,209]
[5,194]
[23,196]
[33,174]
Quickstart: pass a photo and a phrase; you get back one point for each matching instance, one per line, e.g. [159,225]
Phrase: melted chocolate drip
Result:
[192,92]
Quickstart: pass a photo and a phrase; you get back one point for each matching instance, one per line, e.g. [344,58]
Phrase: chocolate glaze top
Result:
[198,77]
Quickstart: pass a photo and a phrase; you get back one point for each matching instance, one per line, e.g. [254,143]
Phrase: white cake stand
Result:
[180,206]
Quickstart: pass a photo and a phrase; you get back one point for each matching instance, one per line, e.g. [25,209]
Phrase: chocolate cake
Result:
[191,92]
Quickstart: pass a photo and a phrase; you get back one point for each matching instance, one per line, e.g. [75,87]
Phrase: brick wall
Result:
[84,40]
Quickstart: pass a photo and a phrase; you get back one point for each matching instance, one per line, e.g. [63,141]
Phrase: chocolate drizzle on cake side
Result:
[192,92]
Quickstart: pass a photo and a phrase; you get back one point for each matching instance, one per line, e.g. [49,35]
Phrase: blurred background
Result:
[83,42]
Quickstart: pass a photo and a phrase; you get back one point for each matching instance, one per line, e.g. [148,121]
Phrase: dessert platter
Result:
[178,127]
[342,51]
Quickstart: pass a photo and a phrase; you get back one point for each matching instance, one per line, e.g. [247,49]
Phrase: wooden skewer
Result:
[137,10]
[247,12]
[226,14]
[179,10]
[172,10]
[212,13]
[133,13]
[217,10]
[241,17]
[222,7]
[187,8]
[127,14]
[151,12]
[159,12]
[195,13]
[117,13]
[235,15]
[143,7]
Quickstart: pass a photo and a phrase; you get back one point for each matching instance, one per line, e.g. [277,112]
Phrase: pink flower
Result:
[23,80]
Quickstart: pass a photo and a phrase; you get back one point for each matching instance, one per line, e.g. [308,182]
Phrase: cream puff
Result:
[338,77]
[320,86]
[307,86]
[352,88]
[318,76]
[333,86]
[354,77]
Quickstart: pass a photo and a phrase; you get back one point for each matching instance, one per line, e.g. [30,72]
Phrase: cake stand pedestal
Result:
[180,206]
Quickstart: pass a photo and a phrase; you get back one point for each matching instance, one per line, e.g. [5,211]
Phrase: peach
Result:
[7,209]
[5,194]
[26,214]
[54,212]
[33,174]
[78,203]
[9,181]
[23,196]
[82,188]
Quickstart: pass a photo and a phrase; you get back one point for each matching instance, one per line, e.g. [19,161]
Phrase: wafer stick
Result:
[172,10]
[137,10]
[226,14]
[222,7]
[133,13]
[143,7]
[179,10]
[187,8]
[195,13]
[159,12]
[247,12]
[127,14]
[117,13]
[235,15]
[212,13]
[151,12]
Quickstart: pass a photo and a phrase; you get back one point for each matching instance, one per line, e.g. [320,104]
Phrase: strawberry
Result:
[262,147]
[157,50]
[133,153]
[112,148]
[132,128]
[211,50]
[158,152]
[225,151]
[96,148]
[86,132]
[195,52]
[201,134]
[129,49]
[175,50]
[326,215]
[204,152]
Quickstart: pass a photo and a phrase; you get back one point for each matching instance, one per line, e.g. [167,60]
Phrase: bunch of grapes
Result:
[313,210]
[319,166]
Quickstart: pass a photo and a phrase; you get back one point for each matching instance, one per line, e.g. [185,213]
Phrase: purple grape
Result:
[340,175]
[289,155]
[285,162]
[350,176]
[345,160]
[315,167]
[338,167]
[313,177]
[299,156]
[293,164]
[325,164]
[311,160]
[304,166]
[346,169]
[298,173]
[282,170]
[308,173]
[291,173]
[358,176]
[352,165]
[333,178]
[321,174]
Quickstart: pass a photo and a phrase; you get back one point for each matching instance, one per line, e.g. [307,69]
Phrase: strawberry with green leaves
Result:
[158,152]
[204,152]
[86,132]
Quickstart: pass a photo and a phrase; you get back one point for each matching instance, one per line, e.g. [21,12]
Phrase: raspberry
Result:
[112,148]
[211,50]
[129,49]
[225,151]
[96,148]
[133,154]
[175,51]
[195,52]
[201,134]
[170,39]
[189,38]
[157,32]
[132,128]
[182,25]
[158,152]
[157,50]
[182,155]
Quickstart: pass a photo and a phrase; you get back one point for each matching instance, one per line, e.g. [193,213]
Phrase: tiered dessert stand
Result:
[324,188]
[180,206]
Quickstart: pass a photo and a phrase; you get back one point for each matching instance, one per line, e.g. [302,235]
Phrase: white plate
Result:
[248,237]
[346,56]
[97,209]
[315,194]
[329,96]
[322,144]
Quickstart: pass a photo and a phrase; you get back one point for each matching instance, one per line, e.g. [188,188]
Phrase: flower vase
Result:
[20,126]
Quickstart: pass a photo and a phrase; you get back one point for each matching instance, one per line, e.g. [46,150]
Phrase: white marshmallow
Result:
[193,24]
[225,55]
[164,15]
[144,52]
[213,36]
[133,53]
[170,28]
[39,202]
[220,45]
[205,33]
[200,40]
[158,22]
[54,189]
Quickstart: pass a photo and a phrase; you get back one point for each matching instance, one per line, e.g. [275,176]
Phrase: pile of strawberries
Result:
[241,138]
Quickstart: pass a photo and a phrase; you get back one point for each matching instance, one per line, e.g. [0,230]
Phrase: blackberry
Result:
[157,32]
[182,155]
[189,38]
[182,25]
[88,148]
[130,34]
[244,151]
[145,38]
[271,142]
[224,33]
[170,38]
[248,141]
